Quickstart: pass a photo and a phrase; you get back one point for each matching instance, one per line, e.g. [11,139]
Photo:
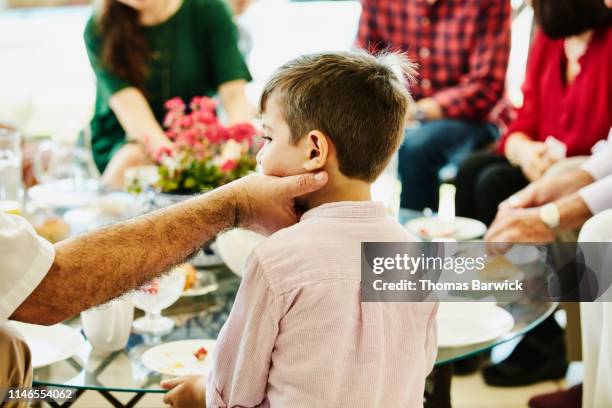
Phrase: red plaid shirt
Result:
[461,47]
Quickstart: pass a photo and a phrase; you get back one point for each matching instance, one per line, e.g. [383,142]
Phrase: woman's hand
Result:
[532,157]
[129,155]
[520,226]
[548,189]
[185,392]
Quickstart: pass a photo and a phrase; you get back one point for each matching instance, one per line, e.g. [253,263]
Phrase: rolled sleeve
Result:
[599,165]
[25,259]
[598,195]
[242,356]
[483,86]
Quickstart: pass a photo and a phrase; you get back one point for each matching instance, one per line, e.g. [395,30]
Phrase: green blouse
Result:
[193,53]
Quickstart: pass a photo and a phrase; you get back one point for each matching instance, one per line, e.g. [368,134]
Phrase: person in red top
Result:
[462,49]
[567,94]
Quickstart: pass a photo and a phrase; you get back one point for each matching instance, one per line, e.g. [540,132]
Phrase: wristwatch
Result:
[549,214]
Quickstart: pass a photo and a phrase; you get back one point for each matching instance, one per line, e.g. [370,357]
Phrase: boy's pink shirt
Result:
[298,335]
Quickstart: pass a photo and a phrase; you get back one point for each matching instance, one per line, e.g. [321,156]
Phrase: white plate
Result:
[64,194]
[462,229]
[176,358]
[50,344]
[463,324]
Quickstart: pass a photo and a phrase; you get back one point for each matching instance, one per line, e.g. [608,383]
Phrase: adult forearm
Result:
[235,102]
[573,211]
[137,118]
[101,265]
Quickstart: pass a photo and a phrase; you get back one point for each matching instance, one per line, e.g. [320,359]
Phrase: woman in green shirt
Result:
[145,52]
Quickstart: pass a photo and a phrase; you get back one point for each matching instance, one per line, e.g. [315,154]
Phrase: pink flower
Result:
[175,104]
[216,134]
[189,137]
[228,166]
[171,134]
[161,152]
[186,121]
[205,118]
[203,104]
[242,132]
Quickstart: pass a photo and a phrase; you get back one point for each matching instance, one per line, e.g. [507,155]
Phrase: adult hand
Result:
[534,159]
[185,392]
[239,6]
[522,225]
[548,189]
[266,204]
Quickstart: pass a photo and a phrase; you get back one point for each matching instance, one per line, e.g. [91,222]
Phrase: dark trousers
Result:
[483,181]
[429,148]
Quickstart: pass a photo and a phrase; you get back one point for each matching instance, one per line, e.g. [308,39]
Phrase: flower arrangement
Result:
[205,154]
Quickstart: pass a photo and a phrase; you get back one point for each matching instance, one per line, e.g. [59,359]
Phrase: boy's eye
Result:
[267,138]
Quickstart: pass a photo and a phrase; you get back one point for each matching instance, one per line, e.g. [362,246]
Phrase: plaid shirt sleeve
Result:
[479,90]
[368,36]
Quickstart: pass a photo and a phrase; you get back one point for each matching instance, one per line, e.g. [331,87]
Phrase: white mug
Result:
[108,326]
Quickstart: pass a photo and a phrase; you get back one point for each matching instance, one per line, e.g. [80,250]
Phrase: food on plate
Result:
[53,229]
[189,271]
[437,232]
[201,353]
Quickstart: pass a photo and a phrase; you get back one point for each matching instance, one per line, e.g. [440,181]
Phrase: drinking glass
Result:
[67,176]
[155,296]
[11,186]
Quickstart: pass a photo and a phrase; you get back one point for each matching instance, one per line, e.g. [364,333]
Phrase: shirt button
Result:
[424,53]
[426,84]
[425,21]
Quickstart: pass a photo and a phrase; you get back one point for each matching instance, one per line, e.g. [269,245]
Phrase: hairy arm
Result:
[93,268]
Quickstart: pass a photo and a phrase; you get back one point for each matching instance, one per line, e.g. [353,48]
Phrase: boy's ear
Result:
[317,146]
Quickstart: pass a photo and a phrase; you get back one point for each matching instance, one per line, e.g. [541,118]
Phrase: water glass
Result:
[11,186]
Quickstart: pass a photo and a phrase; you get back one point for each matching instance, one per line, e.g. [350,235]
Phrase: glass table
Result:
[202,317]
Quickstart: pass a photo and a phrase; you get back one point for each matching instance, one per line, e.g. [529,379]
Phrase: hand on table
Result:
[185,392]
[520,226]
[266,204]
[547,189]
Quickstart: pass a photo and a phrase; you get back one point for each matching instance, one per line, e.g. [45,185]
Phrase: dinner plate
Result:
[64,193]
[462,323]
[461,229]
[50,344]
[177,358]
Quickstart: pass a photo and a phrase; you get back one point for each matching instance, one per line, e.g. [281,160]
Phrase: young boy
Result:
[298,334]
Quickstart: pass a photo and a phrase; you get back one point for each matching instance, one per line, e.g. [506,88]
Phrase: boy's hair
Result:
[358,100]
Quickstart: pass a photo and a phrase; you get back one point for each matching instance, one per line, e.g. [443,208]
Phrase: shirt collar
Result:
[348,209]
